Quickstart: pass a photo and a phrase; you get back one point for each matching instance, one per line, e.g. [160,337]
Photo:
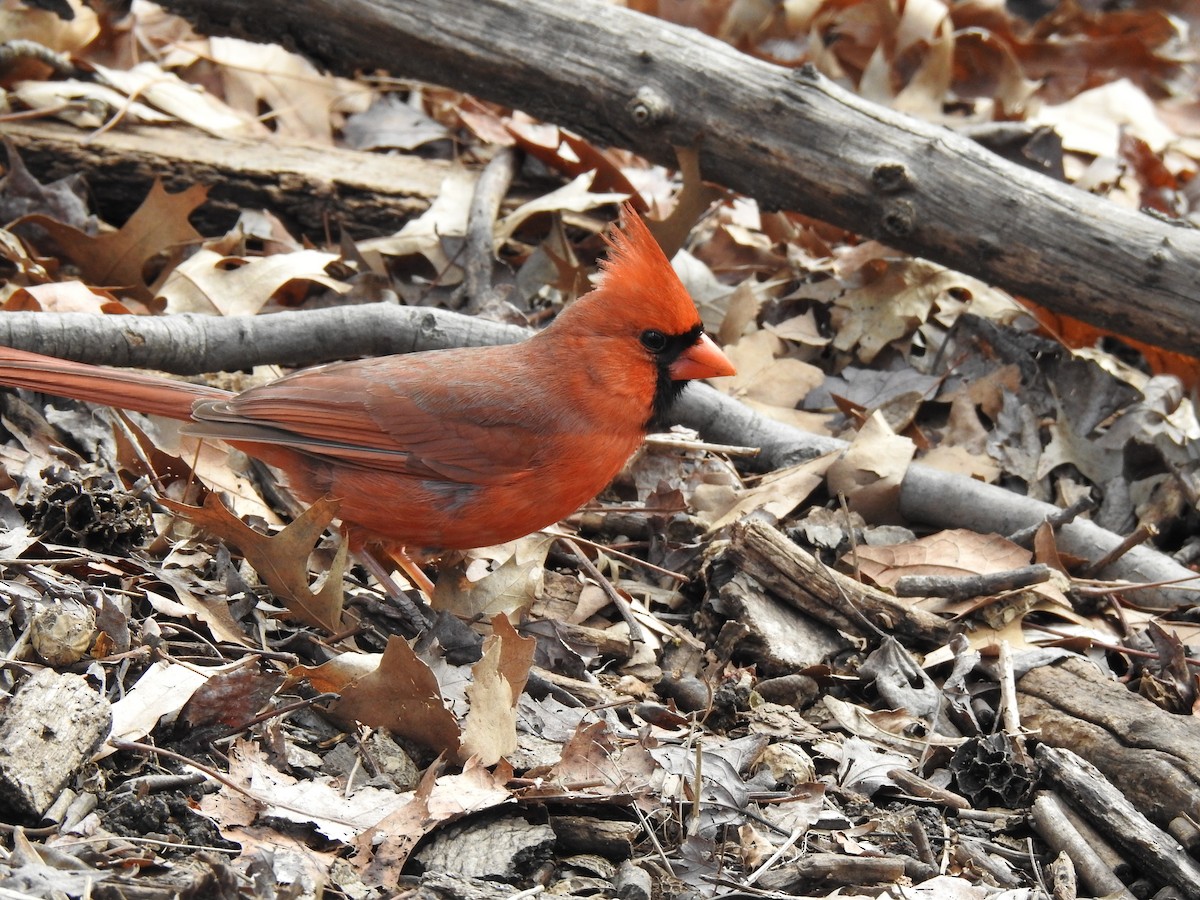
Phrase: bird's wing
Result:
[436,418]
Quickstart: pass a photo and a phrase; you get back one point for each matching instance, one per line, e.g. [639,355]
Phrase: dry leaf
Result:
[402,695]
[118,259]
[209,282]
[870,470]
[64,296]
[778,493]
[388,844]
[490,731]
[281,560]
[162,690]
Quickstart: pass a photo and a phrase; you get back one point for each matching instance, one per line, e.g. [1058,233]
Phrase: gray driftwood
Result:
[1149,752]
[1159,854]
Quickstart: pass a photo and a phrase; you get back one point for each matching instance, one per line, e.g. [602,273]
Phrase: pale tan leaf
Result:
[162,690]
[209,282]
[186,102]
[870,470]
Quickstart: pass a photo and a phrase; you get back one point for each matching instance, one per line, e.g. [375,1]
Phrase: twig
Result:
[633,560]
[965,587]
[480,251]
[1139,535]
[636,635]
[1056,519]
[668,441]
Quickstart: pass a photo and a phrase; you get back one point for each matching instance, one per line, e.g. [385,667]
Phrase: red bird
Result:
[451,449]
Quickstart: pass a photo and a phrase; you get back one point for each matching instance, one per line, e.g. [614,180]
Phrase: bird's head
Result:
[642,306]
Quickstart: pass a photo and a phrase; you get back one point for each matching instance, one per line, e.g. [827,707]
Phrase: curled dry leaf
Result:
[871,469]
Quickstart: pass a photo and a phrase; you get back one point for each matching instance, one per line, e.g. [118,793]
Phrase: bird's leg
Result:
[418,616]
[400,556]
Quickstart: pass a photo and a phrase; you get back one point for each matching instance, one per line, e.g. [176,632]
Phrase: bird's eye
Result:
[654,341]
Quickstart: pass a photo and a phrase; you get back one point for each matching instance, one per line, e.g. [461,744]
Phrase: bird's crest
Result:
[640,275]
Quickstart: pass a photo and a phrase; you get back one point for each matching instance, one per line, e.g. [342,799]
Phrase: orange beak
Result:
[703,359]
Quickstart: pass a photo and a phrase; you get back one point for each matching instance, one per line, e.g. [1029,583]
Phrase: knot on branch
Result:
[650,108]
[899,218]
[891,178]
[806,73]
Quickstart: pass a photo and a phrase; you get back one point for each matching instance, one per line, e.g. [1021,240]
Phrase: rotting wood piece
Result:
[48,734]
[1149,752]
[799,579]
[774,636]
[822,871]
[610,838]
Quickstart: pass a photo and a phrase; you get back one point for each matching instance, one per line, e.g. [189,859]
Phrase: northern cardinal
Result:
[451,449]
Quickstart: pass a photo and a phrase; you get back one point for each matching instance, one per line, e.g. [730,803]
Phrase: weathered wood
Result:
[311,189]
[778,639]
[1149,752]
[794,576]
[48,734]
[1159,855]
[1056,829]
[788,137]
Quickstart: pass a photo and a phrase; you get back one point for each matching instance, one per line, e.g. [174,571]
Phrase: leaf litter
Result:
[297,699]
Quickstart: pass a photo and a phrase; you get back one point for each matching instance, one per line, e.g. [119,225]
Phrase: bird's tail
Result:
[122,388]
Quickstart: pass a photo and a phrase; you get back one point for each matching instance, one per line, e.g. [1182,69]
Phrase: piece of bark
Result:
[498,849]
[189,345]
[1062,879]
[916,786]
[1149,752]
[778,638]
[787,137]
[610,838]
[1157,853]
[792,575]
[999,871]
[47,735]
[309,188]
[446,886]
[633,883]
